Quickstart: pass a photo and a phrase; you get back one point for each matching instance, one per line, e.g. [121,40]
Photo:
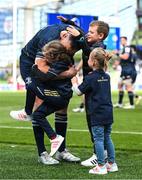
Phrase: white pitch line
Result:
[74,130]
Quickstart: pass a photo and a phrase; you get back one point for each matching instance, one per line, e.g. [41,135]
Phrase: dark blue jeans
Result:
[102,136]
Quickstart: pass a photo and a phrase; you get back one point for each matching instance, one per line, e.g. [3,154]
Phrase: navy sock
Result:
[61,128]
[131,97]
[39,138]
[30,99]
[121,95]
[81,105]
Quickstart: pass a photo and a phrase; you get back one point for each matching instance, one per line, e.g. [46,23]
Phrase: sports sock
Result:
[131,97]
[30,99]
[39,138]
[121,95]
[136,96]
[81,105]
[61,128]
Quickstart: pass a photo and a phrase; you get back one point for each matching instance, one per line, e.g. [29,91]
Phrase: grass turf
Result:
[18,156]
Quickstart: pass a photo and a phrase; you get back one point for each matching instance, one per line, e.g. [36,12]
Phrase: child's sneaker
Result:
[66,156]
[138,99]
[98,170]
[20,115]
[118,105]
[129,107]
[111,167]
[55,144]
[45,158]
[78,109]
[92,161]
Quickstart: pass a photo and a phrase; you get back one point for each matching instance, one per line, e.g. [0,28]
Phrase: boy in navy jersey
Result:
[97,33]
[96,86]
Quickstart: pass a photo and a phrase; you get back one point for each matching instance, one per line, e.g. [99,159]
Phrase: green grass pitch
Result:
[18,154]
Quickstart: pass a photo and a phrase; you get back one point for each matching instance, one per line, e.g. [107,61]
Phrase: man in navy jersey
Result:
[27,59]
[128,74]
[54,93]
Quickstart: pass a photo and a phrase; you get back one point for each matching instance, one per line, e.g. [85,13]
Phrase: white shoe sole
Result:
[48,163]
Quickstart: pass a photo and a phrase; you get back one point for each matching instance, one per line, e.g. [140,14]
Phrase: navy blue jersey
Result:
[63,86]
[35,45]
[96,86]
[85,57]
[41,38]
[129,61]
[128,66]
[45,35]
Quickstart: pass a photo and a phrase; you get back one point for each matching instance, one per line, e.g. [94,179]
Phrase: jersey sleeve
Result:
[40,55]
[39,75]
[53,72]
[85,86]
[127,50]
[58,67]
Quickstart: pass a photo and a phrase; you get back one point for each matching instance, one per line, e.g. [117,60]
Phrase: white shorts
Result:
[126,81]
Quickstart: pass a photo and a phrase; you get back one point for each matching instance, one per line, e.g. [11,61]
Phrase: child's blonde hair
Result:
[100,58]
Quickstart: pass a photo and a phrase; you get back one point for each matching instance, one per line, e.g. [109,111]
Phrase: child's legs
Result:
[37,103]
[88,118]
[98,134]
[39,137]
[39,116]
[30,100]
[109,144]
[61,126]
[40,124]
[31,94]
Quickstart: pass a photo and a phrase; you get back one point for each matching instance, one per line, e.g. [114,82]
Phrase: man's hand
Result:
[73,31]
[66,21]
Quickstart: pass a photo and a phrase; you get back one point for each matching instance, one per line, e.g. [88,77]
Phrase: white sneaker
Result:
[20,115]
[129,107]
[55,144]
[66,156]
[45,158]
[118,105]
[78,109]
[92,161]
[111,167]
[138,99]
[98,170]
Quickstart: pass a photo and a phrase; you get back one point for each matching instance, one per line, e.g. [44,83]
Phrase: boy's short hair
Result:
[103,27]
[124,37]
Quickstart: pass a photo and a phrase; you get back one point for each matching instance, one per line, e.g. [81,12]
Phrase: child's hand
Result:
[74,80]
[63,19]
[42,64]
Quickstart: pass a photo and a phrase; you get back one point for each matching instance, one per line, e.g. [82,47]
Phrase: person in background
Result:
[137,97]
[128,74]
